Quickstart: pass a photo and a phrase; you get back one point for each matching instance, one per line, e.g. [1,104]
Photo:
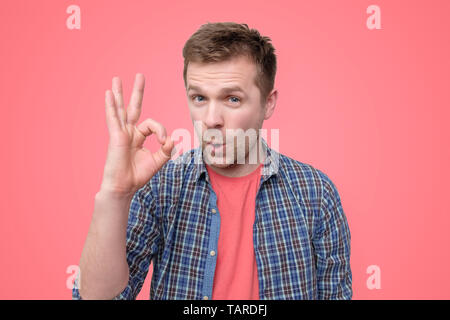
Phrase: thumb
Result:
[165,151]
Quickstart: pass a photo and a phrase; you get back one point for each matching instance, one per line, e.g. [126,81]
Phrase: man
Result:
[215,224]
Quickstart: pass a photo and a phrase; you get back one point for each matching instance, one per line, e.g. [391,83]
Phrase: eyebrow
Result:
[226,89]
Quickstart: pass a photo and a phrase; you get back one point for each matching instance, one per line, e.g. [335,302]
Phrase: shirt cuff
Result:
[126,293]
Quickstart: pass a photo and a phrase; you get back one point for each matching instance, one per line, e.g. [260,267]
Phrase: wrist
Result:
[106,194]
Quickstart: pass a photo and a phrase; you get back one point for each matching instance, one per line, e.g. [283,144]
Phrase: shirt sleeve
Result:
[332,247]
[142,242]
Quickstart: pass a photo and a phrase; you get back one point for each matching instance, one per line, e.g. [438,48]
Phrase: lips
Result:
[215,146]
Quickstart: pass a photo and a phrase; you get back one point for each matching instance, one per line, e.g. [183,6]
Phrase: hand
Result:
[129,166]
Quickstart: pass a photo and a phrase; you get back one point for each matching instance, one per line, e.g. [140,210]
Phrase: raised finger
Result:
[118,98]
[135,106]
[149,126]
[112,119]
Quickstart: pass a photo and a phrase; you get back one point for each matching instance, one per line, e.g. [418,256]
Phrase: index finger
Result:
[135,107]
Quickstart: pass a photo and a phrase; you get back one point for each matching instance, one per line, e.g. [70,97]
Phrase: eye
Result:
[237,99]
[196,96]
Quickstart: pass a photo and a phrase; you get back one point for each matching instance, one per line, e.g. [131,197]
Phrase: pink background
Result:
[370,108]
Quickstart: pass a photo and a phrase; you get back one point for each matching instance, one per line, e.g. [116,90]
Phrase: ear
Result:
[271,102]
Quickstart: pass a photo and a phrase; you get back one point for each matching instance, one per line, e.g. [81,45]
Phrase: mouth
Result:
[215,146]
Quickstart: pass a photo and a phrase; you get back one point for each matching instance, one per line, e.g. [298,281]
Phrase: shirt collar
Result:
[270,166]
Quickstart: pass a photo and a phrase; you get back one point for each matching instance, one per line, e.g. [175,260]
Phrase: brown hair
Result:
[221,41]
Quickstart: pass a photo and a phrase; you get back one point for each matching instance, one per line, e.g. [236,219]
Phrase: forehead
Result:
[239,71]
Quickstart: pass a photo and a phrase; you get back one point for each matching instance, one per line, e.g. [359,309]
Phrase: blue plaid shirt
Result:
[301,236]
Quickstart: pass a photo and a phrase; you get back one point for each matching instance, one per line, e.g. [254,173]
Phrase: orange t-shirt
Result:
[236,276]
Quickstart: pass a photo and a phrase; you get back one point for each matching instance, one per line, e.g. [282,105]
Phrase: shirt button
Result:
[213,211]
[212,253]
[205,298]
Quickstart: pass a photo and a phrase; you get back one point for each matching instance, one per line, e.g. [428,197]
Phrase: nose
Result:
[214,117]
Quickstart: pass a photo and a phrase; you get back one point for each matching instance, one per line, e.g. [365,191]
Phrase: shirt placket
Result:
[258,216]
[213,241]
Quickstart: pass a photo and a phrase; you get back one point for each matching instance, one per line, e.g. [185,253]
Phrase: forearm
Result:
[104,271]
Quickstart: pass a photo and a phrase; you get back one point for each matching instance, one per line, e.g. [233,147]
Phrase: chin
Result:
[222,165]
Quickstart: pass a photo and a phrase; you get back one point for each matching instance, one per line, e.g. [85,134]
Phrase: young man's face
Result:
[221,96]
